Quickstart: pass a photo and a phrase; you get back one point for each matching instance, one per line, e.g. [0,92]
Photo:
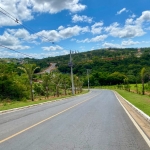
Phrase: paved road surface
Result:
[95,121]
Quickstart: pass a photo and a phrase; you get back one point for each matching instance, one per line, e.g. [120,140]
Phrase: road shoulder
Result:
[140,120]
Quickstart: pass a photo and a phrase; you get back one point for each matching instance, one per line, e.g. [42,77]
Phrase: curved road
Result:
[94,121]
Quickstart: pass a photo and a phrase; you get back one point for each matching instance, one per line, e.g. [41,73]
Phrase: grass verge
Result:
[140,101]
[17,104]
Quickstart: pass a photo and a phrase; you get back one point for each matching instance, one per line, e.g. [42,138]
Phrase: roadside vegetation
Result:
[140,101]
[22,82]
[20,86]
[6,105]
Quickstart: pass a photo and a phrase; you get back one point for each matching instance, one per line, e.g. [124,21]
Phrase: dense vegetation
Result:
[105,67]
[18,82]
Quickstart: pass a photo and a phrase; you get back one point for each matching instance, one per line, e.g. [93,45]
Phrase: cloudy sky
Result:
[43,28]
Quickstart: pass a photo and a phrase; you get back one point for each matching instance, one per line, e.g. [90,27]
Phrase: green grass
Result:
[140,101]
[139,87]
[17,104]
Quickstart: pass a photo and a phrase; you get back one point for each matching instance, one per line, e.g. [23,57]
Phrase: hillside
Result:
[103,63]
[127,61]
[105,67]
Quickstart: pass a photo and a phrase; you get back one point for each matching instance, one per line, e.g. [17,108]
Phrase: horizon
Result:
[73,52]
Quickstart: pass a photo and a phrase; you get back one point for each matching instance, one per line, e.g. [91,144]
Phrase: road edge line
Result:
[44,120]
[135,124]
[146,117]
[34,105]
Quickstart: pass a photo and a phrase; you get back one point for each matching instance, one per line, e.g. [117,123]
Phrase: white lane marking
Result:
[134,122]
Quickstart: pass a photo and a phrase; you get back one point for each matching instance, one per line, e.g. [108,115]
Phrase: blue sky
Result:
[48,28]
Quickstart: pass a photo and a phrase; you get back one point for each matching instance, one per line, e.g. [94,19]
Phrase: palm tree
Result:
[142,73]
[57,81]
[65,82]
[46,82]
[29,70]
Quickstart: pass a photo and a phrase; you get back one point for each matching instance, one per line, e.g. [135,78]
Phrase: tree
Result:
[116,78]
[142,73]
[66,82]
[57,81]
[126,84]
[46,82]
[76,79]
[29,69]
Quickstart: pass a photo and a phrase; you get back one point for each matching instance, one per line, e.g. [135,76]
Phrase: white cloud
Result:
[97,28]
[128,31]
[8,40]
[19,47]
[123,44]
[11,39]
[108,45]
[60,28]
[22,34]
[18,9]
[63,33]
[8,54]
[49,35]
[52,48]
[132,28]
[55,6]
[129,42]
[83,18]
[16,38]
[95,39]
[50,53]
[145,17]
[146,42]
[129,21]
[4,53]
[72,31]
[122,10]
[133,16]
[24,9]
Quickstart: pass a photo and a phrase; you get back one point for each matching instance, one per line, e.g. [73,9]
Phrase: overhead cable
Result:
[4,12]
[15,50]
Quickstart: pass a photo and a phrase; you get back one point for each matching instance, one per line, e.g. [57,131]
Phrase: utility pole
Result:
[88,79]
[71,65]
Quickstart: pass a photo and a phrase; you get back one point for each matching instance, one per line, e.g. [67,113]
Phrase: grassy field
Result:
[140,101]
[139,88]
[17,104]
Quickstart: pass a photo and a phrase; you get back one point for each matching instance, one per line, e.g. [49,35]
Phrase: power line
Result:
[14,50]
[7,15]
[19,22]
[24,26]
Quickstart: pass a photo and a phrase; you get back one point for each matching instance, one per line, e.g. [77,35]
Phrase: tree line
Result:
[19,82]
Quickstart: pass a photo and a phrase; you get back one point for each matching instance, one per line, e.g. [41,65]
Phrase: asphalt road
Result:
[95,121]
